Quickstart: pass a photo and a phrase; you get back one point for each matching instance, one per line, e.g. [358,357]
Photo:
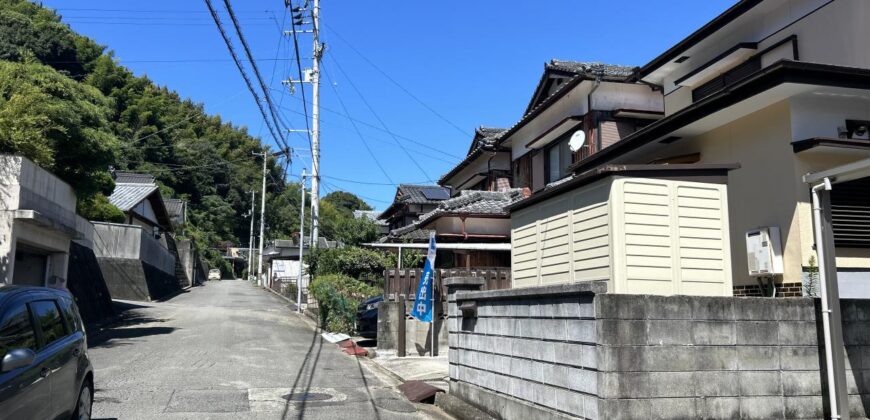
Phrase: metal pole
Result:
[831,319]
[432,351]
[251,235]
[315,125]
[262,220]
[301,241]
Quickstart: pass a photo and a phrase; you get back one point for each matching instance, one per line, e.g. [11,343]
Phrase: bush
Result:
[337,298]
[350,261]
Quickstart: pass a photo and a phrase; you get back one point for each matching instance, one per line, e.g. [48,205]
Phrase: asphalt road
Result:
[228,350]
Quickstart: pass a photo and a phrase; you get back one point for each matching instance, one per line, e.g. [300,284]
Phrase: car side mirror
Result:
[17,358]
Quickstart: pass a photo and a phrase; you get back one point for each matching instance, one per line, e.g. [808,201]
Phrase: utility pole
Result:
[311,76]
[315,126]
[301,242]
[265,157]
[262,219]
[251,236]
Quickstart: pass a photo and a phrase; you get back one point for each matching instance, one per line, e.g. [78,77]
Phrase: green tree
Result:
[62,126]
[346,202]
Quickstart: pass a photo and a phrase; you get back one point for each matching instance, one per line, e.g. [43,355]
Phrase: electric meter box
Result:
[764,252]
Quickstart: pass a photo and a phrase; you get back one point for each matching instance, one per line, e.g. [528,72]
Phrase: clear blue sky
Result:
[473,62]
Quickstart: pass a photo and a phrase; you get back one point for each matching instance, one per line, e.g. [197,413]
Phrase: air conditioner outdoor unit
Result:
[764,252]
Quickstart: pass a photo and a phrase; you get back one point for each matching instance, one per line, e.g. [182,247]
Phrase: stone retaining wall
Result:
[573,351]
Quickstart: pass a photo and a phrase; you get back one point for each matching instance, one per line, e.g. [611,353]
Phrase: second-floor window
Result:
[557,159]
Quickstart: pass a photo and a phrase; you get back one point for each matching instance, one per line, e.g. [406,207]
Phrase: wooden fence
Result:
[405,281]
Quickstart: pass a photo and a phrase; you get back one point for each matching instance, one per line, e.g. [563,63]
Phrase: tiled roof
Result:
[174,206]
[127,195]
[592,69]
[490,203]
[414,194]
[370,215]
[133,178]
[474,202]
[485,137]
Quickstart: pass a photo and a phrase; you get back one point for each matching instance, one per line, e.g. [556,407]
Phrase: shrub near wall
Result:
[338,296]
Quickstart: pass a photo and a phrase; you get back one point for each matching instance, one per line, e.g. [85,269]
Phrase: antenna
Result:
[577,140]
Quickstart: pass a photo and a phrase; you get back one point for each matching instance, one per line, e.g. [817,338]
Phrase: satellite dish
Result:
[577,140]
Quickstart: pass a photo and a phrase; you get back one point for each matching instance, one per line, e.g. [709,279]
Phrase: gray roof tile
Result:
[126,196]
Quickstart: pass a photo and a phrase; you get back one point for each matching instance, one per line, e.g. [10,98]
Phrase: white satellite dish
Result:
[577,140]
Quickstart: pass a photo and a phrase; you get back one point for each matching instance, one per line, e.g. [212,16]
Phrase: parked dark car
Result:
[45,372]
[367,317]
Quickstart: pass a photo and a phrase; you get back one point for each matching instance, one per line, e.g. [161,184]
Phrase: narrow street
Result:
[231,351]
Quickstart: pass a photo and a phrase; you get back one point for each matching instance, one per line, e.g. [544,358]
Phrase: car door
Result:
[25,393]
[56,346]
[73,348]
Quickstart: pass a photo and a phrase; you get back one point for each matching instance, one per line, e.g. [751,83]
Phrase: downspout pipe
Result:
[826,311]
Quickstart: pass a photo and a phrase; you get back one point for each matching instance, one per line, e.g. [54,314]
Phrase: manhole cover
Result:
[307,396]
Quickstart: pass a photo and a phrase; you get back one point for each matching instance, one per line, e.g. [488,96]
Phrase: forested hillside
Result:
[69,106]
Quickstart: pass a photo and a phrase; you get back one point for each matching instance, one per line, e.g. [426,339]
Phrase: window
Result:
[47,316]
[523,171]
[70,314]
[557,160]
[17,331]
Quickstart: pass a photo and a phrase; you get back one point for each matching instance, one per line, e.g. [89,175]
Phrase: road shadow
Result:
[312,356]
[114,337]
[367,343]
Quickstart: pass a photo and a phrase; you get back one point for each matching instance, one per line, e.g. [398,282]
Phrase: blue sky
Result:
[472,62]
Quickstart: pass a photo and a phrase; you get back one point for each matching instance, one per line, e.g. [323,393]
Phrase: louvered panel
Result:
[850,213]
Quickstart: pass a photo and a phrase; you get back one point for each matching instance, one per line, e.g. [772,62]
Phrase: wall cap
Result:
[580,288]
[464,281]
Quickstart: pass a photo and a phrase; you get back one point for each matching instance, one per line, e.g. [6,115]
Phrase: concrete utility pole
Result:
[251,236]
[301,242]
[311,76]
[265,157]
[315,126]
[262,219]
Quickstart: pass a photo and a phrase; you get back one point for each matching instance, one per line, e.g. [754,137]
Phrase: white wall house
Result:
[780,88]
[37,223]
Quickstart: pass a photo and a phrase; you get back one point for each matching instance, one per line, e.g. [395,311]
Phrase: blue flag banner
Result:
[424,303]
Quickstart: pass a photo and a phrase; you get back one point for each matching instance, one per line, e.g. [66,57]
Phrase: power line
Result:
[348,117]
[377,117]
[250,56]
[150,10]
[238,63]
[399,85]
[358,195]
[365,143]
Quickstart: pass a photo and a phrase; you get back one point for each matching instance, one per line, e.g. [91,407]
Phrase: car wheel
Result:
[85,402]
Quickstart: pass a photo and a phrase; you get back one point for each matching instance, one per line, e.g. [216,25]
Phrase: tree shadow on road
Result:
[297,388]
[124,328]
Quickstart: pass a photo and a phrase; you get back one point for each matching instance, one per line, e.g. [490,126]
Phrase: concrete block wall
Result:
[705,357]
[556,352]
[535,354]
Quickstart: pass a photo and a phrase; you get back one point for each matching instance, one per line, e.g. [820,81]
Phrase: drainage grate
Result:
[307,396]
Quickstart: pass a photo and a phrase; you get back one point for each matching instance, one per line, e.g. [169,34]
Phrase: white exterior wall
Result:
[642,235]
[573,103]
[502,161]
[611,96]
[828,32]
[26,186]
[473,225]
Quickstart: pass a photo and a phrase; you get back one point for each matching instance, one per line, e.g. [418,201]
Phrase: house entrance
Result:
[30,267]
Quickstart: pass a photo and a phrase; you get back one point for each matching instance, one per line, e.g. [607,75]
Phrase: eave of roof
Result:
[558,94]
[708,29]
[807,144]
[468,160]
[644,171]
[784,71]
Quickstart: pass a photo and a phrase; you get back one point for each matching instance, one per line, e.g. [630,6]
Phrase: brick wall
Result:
[563,351]
[782,290]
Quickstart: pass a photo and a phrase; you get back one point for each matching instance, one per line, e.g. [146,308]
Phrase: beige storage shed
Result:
[646,229]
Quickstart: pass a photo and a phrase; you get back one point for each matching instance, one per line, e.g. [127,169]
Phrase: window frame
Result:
[37,326]
[561,142]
